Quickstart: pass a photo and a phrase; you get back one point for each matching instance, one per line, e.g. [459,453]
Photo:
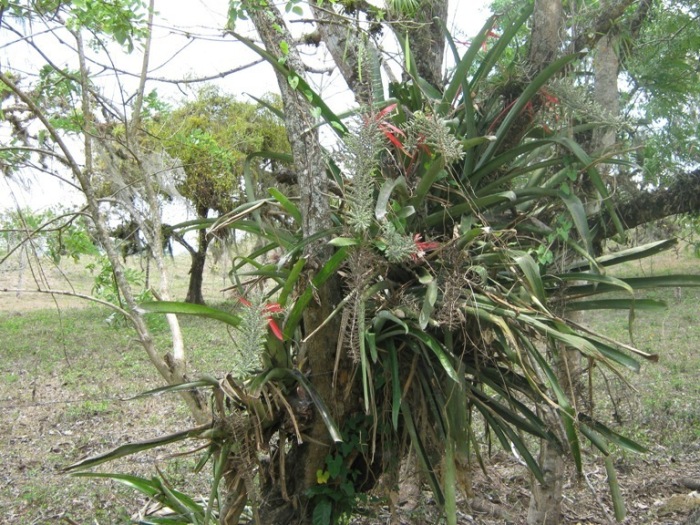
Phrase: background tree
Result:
[212,138]
[61,123]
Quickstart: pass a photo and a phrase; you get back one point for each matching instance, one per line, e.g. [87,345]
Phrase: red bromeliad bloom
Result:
[269,308]
[390,131]
[423,246]
[484,44]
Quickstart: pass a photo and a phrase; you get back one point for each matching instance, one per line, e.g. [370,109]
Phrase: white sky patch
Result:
[188,42]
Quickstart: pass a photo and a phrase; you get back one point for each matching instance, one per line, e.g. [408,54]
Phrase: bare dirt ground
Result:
[61,399]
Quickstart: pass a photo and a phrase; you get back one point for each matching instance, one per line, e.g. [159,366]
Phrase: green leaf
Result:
[142,485]
[291,281]
[434,173]
[431,294]
[630,254]
[617,304]
[439,350]
[293,80]
[321,277]
[612,436]
[615,494]
[318,401]
[595,278]
[344,241]
[637,283]
[578,214]
[173,307]
[288,205]
[450,482]
[201,383]
[322,512]
[134,448]
[395,386]
[181,503]
[595,438]
[531,271]
[384,315]
[594,178]
[536,427]
[385,193]
[617,356]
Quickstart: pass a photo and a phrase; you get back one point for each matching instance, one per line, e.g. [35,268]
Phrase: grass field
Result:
[66,375]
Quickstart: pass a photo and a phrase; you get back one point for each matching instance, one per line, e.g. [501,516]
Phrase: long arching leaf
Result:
[140,446]
[173,307]
[526,96]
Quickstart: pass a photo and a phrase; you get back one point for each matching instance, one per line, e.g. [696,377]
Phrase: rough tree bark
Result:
[681,196]
[319,350]
[345,45]
[546,37]
[427,39]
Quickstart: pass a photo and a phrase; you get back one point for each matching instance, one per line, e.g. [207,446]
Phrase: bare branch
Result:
[77,295]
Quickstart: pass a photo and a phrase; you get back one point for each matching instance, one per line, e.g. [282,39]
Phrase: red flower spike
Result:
[390,131]
[423,246]
[274,327]
[269,308]
[383,113]
[273,308]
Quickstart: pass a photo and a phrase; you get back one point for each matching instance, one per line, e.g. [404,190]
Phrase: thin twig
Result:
[70,294]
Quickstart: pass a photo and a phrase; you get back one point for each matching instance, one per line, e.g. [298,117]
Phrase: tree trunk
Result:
[290,504]
[427,39]
[546,38]
[545,500]
[194,290]
[681,196]
[199,258]
[546,43]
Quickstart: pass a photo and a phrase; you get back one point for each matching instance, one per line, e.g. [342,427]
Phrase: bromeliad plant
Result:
[461,242]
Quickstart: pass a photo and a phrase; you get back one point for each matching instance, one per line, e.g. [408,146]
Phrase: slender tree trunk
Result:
[546,42]
[546,498]
[171,367]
